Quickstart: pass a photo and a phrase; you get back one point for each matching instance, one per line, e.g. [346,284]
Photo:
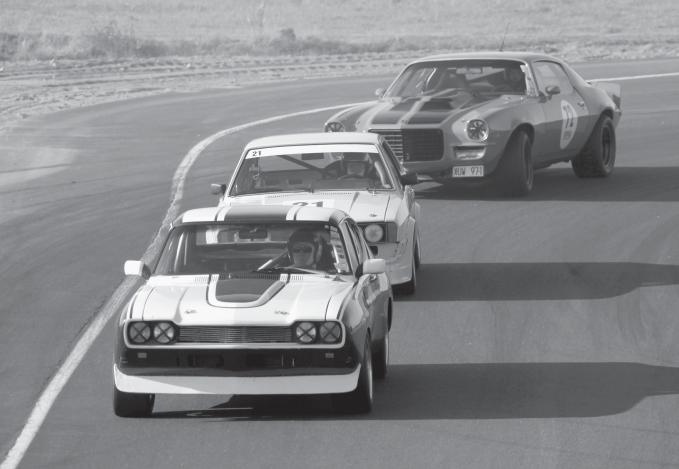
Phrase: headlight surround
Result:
[373,233]
[164,333]
[138,332]
[306,332]
[330,332]
[334,126]
[477,130]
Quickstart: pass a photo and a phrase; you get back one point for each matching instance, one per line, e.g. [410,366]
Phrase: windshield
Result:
[443,79]
[293,247]
[311,168]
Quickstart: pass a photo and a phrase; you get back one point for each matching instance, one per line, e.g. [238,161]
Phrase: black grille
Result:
[234,335]
[415,144]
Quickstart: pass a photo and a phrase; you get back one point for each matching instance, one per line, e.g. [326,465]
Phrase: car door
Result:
[565,112]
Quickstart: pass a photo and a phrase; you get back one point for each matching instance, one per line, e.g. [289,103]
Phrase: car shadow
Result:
[536,281]
[626,184]
[474,391]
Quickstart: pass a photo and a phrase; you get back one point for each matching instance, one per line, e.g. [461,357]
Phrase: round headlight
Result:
[477,129]
[373,233]
[139,332]
[163,332]
[330,332]
[305,332]
[334,127]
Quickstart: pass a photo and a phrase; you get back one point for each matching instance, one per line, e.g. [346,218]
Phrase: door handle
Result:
[581,103]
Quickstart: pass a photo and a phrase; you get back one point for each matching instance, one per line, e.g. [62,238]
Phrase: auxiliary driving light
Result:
[163,332]
[305,332]
[330,332]
[139,332]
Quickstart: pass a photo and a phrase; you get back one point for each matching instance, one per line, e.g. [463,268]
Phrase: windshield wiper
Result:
[290,269]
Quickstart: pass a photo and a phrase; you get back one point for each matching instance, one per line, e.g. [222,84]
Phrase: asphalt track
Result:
[543,334]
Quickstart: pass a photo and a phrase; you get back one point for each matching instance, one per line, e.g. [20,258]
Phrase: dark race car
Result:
[496,115]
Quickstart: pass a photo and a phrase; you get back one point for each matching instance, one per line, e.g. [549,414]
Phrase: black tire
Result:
[597,158]
[417,255]
[515,170]
[360,400]
[381,357]
[126,404]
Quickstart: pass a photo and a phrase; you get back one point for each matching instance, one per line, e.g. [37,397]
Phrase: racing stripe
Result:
[221,214]
[292,213]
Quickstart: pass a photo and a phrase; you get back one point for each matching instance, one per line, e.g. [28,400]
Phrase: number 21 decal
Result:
[569,122]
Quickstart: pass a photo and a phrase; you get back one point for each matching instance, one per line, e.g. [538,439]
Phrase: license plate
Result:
[468,171]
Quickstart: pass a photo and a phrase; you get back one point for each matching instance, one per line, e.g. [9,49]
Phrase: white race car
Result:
[354,172]
[256,300]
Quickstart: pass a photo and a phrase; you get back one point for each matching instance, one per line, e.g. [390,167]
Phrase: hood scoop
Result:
[243,292]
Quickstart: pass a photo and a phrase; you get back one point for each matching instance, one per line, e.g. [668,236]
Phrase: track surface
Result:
[544,332]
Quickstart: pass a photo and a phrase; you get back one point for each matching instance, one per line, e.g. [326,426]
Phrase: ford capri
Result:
[354,172]
[492,115]
[253,300]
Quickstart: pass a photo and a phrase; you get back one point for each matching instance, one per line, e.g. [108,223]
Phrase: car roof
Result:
[488,55]
[313,138]
[260,214]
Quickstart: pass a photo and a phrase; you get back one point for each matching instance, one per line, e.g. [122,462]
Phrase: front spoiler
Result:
[252,385]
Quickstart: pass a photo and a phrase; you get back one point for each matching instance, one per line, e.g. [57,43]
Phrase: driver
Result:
[516,79]
[356,166]
[305,249]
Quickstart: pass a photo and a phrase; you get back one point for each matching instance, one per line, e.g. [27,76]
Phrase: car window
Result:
[395,168]
[252,248]
[350,243]
[312,167]
[551,73]
[359,240]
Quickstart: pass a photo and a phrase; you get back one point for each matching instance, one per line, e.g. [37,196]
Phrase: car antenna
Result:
[502,45]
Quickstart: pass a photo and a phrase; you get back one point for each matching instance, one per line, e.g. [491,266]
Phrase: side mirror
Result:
[374,266]
[218,189]
[551,90]
[409,178]
[137,268]
[379,92]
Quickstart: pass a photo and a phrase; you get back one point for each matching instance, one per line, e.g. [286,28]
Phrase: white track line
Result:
[113,305]
[638,77]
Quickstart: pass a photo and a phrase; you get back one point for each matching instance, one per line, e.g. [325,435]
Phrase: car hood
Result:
[255,300]
[362,206]
[427,111]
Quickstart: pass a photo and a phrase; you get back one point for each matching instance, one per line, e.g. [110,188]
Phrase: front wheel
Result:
[597,158]
[515,170]
[381,357]
[128,404]
[360,400]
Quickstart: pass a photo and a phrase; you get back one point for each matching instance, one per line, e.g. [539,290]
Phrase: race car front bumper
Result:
[254,385]
[236,371]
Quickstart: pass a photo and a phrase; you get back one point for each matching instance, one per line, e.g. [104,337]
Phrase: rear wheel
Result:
[597,158]
[515,170]
[127,404]
[360,400]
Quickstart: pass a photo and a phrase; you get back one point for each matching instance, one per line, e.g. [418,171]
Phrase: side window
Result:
[393,165]
[361,246]
[350,244]
[550,73]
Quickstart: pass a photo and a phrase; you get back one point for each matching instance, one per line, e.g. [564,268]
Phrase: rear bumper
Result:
[256,385]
